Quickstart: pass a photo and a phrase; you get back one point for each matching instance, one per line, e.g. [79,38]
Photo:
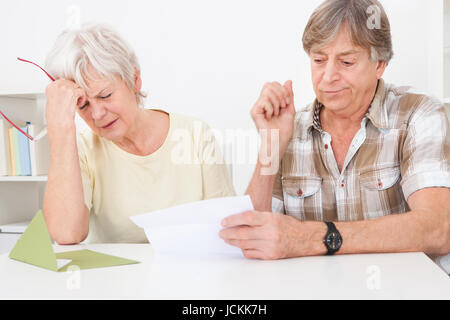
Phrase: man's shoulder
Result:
[405,103]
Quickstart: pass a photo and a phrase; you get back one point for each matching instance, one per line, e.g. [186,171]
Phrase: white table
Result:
[371,276]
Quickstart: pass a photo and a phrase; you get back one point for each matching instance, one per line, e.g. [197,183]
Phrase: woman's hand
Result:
[63,97]
[275,110]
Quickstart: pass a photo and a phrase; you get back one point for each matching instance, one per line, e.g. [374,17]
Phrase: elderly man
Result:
[364,169]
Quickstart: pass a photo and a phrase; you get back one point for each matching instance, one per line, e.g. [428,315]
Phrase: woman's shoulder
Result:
[87,140]
[186,122]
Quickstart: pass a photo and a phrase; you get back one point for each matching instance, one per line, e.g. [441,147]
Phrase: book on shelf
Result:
[24,151]
[39,152]
[20,156]
[5,162]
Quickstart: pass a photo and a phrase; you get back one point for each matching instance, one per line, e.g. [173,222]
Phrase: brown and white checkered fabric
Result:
[403,146]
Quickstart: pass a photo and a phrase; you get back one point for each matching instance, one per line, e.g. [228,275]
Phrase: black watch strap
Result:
[331,226]
[333,239]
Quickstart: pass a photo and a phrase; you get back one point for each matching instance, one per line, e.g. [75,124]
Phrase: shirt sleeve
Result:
[86,176]
[277,194]
[426,149]
[215,175]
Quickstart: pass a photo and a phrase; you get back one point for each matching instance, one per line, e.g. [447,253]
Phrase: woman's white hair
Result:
[96,45]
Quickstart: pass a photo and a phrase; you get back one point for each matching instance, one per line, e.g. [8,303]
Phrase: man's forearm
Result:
[270,154]
[260,189]
[414,231]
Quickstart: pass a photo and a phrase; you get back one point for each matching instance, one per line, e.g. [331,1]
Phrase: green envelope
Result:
[35,247]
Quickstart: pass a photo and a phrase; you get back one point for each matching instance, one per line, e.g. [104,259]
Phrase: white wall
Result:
[209,59]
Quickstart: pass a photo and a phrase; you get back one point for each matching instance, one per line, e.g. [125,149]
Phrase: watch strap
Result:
[331,229]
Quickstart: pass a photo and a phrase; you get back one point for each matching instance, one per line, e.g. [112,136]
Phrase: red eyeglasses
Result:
[12,123]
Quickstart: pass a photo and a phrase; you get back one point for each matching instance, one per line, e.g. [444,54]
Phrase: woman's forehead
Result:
[96,81]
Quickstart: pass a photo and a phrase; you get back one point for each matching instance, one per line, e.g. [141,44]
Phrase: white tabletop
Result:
[370,276]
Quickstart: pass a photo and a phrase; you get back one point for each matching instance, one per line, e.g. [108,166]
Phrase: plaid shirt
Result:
[403,146]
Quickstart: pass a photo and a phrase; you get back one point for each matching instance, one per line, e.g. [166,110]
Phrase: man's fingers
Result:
[248,218]
[281,93]
[267,109]
[286,95]
[288,86]
[243,233]
[252,254]
[257,245]
[272,97]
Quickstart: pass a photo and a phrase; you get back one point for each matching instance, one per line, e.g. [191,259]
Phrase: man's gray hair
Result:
[366,22]
[96,45]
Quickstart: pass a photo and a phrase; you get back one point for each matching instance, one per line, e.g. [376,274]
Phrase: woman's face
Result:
[110,107]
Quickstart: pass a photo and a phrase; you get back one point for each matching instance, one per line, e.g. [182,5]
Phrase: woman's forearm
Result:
[66,215]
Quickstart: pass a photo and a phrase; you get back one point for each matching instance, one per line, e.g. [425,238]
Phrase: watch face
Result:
[333,241]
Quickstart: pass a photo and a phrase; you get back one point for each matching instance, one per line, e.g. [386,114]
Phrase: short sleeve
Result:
[215,176]
[86,176]
[426,150]
[277,194]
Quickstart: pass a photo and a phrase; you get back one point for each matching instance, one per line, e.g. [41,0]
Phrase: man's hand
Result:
[267,235]
[275,110]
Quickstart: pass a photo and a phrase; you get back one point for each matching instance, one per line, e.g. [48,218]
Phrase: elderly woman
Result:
[127,163]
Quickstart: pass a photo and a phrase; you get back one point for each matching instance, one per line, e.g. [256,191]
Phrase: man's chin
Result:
[337,103]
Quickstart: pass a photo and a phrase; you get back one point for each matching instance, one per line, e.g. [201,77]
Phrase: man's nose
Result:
[331,72]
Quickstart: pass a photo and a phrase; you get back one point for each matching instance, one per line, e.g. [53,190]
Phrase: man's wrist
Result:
[311,243]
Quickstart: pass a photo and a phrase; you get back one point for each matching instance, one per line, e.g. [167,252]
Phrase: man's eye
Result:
[318,60]
[107,96]
[347,63]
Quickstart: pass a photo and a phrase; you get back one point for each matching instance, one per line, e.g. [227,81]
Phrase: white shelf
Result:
[28,96]
[18,227]
[447,100]
[23,178]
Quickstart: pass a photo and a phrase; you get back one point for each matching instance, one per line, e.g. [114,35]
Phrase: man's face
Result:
[344,78]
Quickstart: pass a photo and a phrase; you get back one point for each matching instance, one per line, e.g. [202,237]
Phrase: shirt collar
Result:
[377,112]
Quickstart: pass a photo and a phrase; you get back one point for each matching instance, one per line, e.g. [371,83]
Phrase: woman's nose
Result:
[98,111]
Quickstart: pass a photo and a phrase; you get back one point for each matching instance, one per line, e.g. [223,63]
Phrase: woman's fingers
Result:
[80,97]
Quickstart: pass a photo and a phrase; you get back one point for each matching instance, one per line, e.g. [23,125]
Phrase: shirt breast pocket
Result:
[302,197]
[381,193]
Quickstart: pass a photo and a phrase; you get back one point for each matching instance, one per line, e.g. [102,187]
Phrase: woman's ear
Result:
[137,81]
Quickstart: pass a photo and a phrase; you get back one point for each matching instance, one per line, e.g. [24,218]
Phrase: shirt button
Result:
[342,185]
[299,192]
[326,146]
[380,184]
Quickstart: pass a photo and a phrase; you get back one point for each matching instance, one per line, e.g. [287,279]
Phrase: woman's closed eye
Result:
[84,105]
[101,97]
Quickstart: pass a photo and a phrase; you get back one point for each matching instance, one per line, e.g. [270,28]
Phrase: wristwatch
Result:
[333,239]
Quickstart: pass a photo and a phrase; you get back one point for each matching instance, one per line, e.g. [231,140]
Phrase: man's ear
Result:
[137,80]
[381,66]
